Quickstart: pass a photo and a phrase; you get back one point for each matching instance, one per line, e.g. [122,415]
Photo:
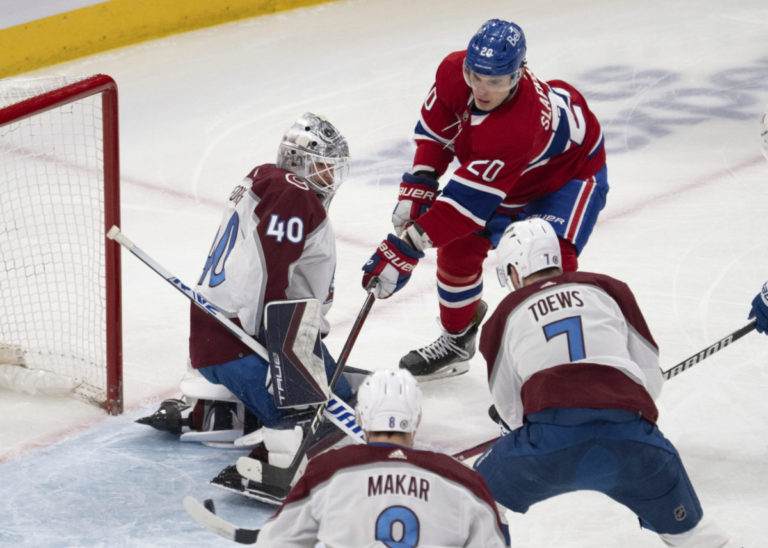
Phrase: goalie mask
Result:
[527,246]
[315,150]
[389,401]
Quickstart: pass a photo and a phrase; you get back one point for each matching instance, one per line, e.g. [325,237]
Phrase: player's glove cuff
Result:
[417,194]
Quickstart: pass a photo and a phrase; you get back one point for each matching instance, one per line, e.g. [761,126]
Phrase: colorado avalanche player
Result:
[525,148]
[275,242]
[572,366]
[384,493]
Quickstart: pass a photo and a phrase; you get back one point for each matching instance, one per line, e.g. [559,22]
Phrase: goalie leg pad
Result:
[296,354]
[282,444]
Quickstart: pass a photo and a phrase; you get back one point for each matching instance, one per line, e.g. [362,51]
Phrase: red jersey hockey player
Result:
[385,493]
[525,148]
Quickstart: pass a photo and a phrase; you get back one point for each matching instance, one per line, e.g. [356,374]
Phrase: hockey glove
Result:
[392,264]
[417,194]
[760,310]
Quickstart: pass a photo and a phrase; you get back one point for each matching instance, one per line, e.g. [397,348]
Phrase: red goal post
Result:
[60,287]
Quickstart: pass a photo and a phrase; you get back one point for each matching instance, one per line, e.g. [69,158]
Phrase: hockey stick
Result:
[281,478]
[707,352]
[205,515]
[246,470]
[470,452]
[344,418]
[669,373]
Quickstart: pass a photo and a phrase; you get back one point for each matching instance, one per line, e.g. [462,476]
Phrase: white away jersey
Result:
[275,242]
[575,340]
[386,495]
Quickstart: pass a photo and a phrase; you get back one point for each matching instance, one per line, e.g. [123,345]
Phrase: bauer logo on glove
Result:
[394,258]
[417,194]
[392,264]
[425,194]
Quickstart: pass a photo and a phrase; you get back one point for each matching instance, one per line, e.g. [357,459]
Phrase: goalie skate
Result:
[449,355]
[327,437]
[231,480]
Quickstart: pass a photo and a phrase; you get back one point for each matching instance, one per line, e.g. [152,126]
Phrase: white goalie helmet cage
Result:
[389,401]
[528,246]
[314,149]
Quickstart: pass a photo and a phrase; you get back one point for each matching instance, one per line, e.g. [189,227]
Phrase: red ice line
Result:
[351,240]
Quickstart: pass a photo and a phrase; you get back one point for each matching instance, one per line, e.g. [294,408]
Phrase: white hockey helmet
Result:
[528,246]
[389,401]
[314,149]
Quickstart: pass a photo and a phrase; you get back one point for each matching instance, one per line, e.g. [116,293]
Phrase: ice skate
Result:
[328,436]
[449,355]
[230,479]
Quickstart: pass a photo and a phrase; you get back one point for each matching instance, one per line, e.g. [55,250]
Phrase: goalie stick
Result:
[343,416]
[251,468]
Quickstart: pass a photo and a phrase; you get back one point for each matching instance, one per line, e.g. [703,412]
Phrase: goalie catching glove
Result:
[417,194]
[392,264]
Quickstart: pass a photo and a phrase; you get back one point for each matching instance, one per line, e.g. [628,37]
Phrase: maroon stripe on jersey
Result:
[283,196]
[493,329]
[321,468]
[285,202]
[587,385]
[210,342]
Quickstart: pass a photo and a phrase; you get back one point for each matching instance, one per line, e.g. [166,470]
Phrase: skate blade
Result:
[265,498]
[452,370]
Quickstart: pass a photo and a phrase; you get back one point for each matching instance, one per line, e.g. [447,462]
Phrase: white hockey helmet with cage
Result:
[315,150]
[528,246]
[389,401]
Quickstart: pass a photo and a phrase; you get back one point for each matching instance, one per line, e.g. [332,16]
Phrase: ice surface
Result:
[679,87]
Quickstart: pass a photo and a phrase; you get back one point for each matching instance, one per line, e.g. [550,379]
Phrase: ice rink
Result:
[679,87]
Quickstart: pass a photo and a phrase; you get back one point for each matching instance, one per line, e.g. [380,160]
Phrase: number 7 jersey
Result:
[574,340]
[275,242]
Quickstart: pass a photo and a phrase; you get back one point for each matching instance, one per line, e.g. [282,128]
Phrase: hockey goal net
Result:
[60,319]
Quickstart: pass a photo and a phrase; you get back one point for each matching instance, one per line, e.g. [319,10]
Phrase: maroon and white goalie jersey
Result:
[275,242]
[386,495]
[575,340]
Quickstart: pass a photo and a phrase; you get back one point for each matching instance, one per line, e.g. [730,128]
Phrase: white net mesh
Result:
[52,264]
